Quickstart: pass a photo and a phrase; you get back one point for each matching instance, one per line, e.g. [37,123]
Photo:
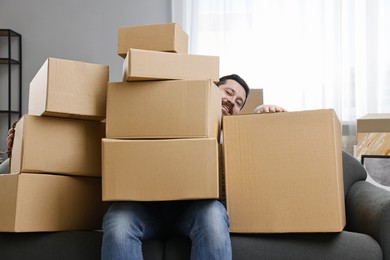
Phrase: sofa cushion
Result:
[344,245]
[75,245]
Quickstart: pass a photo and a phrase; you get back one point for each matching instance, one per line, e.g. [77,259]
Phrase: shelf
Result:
[14,40]
[7,61]
[5,32]
[12,111]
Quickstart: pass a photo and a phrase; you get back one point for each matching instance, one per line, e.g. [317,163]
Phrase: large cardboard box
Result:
[155,37]
[57,145]
[255,99]
[160,170]
[153,65]
[163,109]
[43,202]
[71,89]
[284,172]
[373,135]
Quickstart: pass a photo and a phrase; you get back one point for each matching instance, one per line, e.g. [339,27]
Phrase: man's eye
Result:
[239,103]
[229,92]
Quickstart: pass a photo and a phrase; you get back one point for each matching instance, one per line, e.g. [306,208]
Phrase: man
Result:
[205,222]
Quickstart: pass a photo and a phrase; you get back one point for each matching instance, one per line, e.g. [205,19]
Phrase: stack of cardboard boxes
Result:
[283,171]
[55,180]
[163,120]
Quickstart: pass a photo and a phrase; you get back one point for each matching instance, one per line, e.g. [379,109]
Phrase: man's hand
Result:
[10,140]
[269,109]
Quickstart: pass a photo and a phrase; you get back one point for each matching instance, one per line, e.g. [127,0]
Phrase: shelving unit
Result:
[11,61]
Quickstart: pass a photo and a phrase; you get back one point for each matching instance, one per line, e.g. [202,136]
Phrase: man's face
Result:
[233,97]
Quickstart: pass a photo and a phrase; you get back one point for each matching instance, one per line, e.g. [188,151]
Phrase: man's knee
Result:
[212,213]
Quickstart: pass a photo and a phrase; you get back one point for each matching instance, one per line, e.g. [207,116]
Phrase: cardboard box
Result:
[153,65]
[44,202]
[284,172]
[373,135]
[57,145]
[155,37]
[71,89]
[160,170]
[255,99]
[163,109]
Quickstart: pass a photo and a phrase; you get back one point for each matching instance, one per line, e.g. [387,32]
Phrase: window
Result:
[304,54]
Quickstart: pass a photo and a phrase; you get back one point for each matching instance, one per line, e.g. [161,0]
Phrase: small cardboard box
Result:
[163,109]
[160,170]
[71,89]
[255,99]
[284,172]
[153,65]
[373,135]
[57,145]
[43,202]
[155,37]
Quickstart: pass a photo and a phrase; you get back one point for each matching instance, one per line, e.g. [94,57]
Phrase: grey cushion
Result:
[344,246]
[75,245]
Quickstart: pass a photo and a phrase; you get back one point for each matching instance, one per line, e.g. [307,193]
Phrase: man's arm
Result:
[10,139]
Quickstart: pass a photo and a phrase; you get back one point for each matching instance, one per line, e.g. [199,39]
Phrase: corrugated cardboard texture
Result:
[154,37]
[284,172]
[153,65]
[374,123]
[255,99]
[44,202]
[71,89]
[163,109]
[57,145]
[159,170]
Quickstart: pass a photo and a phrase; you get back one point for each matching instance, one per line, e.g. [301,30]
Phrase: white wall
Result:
[84,30]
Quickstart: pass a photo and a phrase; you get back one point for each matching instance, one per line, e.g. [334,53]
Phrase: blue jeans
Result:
[205,222]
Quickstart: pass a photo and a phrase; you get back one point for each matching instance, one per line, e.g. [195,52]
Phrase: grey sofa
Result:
[366,236]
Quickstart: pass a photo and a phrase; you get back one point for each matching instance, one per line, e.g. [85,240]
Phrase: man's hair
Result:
[236,78]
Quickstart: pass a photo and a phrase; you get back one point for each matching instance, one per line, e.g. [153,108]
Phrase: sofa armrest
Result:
[353,171]
[368,212]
